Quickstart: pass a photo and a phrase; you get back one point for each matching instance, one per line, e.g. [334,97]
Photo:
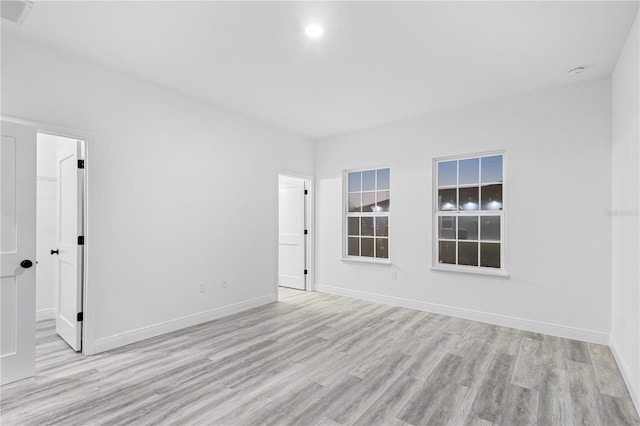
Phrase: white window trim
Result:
[360,259]
[476,270]
[465,269]
[345,215]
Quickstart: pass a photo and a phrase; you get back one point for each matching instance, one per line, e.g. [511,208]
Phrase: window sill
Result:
[372,261]
[472,270]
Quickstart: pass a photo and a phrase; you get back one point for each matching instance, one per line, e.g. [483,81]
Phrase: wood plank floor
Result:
[315,358]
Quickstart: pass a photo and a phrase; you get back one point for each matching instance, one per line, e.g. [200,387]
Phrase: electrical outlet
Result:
[394,275]
[202,287]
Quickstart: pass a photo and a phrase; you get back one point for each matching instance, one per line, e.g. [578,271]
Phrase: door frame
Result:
[310,282]
[88,335]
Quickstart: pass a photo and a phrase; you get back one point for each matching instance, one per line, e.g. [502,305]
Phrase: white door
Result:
[69,257]
[17,252]
[291,250]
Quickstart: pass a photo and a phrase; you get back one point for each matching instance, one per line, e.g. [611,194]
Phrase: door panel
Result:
[17,244]
[9,232]
[291,253]
[9,305]
[69,277]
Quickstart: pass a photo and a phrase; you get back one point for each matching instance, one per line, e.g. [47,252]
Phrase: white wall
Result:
[180,193]
[625,338]
[46,227]
[558,171]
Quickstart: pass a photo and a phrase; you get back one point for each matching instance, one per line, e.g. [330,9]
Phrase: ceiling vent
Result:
[16,10]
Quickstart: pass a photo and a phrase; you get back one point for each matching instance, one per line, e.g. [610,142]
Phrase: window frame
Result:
[468,269]
[346,214]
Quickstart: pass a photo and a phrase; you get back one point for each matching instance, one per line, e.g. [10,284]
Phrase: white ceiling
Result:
[378,62]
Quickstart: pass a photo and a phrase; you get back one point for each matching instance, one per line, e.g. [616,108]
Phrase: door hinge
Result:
[306,192]
[306,231]
[79,317]
[81,240]
[305,272]
[81,164]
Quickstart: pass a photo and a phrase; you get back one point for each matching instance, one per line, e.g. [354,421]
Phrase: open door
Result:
[291,250]
[70,240]
[17,252]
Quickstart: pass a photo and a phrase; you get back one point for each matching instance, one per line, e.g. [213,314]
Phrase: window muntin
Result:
[469,212]
[368,204]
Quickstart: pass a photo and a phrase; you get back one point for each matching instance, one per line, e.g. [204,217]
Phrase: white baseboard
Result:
[469,314]
[624,369]
[45,314]
[143,333]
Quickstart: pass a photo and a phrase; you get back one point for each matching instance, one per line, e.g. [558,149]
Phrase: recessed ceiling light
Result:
[576,71]
[314,31]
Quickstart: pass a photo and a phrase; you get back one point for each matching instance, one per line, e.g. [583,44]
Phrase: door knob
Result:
[56,251]
[26,264]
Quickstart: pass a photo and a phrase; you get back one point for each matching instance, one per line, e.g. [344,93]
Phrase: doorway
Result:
[60,236]
[295,232]
[18,243]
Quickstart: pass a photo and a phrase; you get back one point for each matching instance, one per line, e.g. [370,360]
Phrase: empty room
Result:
[320,213]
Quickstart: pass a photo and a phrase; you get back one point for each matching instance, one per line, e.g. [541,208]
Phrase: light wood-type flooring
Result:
[314,358]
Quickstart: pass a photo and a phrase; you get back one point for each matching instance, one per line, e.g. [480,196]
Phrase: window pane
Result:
[492,197]
[468,253]
[383,201]
[465,187]
[492,169]
[369,180]
[354,202]
[368,201]
[382,226]
[447,252]
[447,199]
[490,228]
[383,179]
[469,198]
[354,246]
[368,192]
[382,248]
[366,247]
[354,181]
[467,227]
[469,171]
[447,173]
[353,226]
[447,227]
[490,255]
[366,226]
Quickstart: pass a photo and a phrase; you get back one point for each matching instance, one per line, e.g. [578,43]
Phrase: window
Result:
[367,205]
[469,213]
